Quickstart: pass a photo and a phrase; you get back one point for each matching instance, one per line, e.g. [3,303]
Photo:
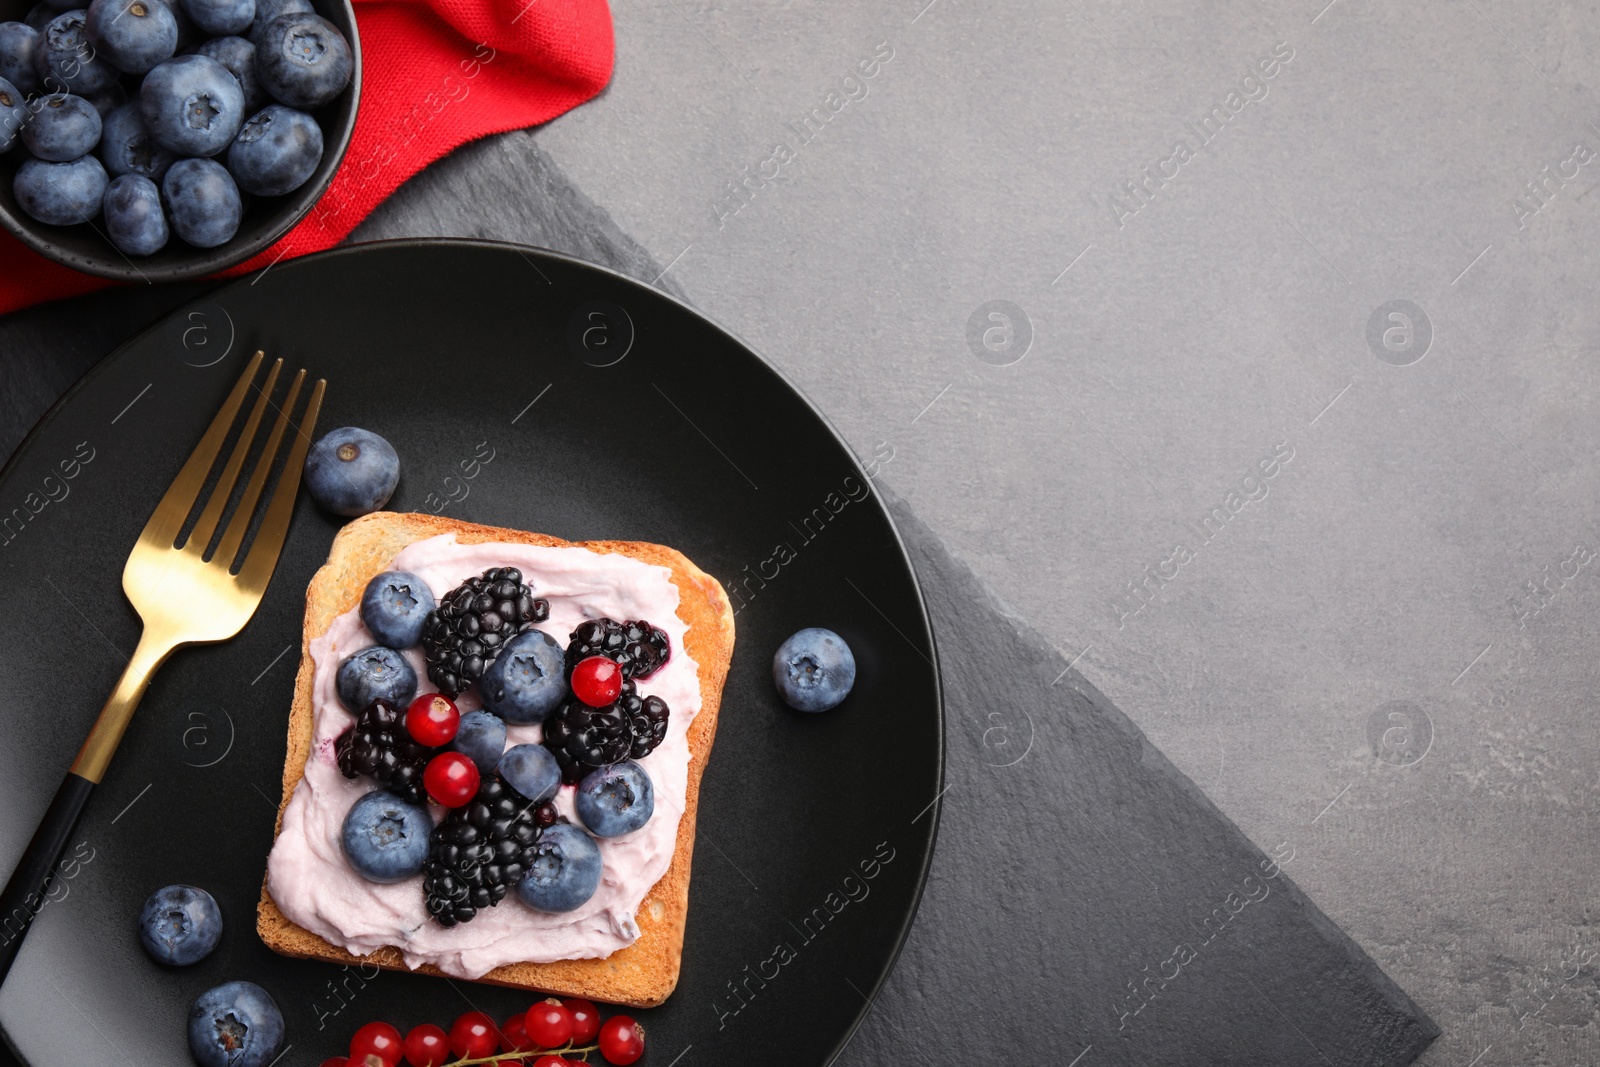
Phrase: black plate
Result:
[611,411]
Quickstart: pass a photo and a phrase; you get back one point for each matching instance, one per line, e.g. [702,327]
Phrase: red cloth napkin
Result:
[435,75]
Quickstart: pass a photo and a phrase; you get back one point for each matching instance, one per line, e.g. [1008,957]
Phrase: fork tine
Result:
[263,555]
[206,525]
[167,519]
[233,536]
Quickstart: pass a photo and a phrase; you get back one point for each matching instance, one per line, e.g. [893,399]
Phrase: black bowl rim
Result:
[208,261]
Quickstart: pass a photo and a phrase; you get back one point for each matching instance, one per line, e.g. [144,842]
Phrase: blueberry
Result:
[376,673]
[481,737]
[565,871]
[202,202]
[303,60]
[386,838]
[39,15]
[107,100]
[17,41]
[65,61]
[532,771]
[220,17]
[527,679]
[814,670]
[63,127]
[13,114]
[276,151]
[60,194]
[352,471]
[615,800]
[239,57]
[395,606]
[236,1024]
[267,10]
[192,105]
[180,925]
[132,35]
[134,221]
[126,148]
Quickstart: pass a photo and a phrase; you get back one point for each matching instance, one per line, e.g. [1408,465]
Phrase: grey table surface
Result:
[1335,563]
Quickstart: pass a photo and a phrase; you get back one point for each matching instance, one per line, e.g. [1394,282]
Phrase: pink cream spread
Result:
[307,873]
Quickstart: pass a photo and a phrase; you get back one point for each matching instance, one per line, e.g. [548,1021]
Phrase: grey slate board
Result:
[1073,858]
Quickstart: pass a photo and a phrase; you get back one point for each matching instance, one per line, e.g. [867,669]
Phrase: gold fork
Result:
[185,595]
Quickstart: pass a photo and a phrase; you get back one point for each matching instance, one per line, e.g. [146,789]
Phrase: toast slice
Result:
[644,973]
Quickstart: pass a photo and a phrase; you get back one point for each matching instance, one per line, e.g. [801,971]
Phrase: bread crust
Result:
[641,975]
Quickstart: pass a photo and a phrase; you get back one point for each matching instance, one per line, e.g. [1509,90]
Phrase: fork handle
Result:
[24,895]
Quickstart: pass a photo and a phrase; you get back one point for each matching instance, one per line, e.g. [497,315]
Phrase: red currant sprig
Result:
[552,1033]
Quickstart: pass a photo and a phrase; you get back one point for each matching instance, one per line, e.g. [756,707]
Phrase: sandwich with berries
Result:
[494,758]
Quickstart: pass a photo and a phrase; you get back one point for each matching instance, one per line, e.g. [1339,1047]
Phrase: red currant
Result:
[335,1061]
[473,1036]
[514,1035]
[549,1023]
[621,1040]
[550,1061]
[432,719]
[451,778]
[597,681]
[376,1045]
[585,1020]
[427,1046]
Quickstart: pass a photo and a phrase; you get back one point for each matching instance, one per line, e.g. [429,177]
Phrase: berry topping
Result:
[532,771]
[597,681]
[451,779]
[585,1019]
[548,1024]
[427,1046]
[385,839]
[432,720]
[526,680]
[637,647]
[621,1040]
[473,622]
[615,800]
[375,673]
[376,1045]
[378,746]
[564,872]
[473,1036]
[583,738]
[394,608]
[478,852]
[482,736]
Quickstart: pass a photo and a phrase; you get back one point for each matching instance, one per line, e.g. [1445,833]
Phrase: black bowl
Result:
[265,220]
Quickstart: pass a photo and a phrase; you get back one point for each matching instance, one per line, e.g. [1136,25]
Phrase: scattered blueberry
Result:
[60,194]
[615,800]
[376,673]
[236,1024]
[192,105]
[180,925]
[239,57]
[132,35]
[532,771]
[303,60]
[386,838]
[126,148]
[527,679]
[63,127]
[565,872]
[481,737]
[267,10]
[65,61]
[17,42]
[134,221]
[814,670]
[351,471]
[220,17]
[13,114]
[202,201]
[395,606]
[276,151]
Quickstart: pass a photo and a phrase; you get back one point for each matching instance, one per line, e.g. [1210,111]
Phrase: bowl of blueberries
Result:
[163,140]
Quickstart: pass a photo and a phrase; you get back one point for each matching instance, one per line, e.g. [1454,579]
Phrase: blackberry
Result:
[582,738]
[637,647]
[481,850]
[379,746]
[473,621]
